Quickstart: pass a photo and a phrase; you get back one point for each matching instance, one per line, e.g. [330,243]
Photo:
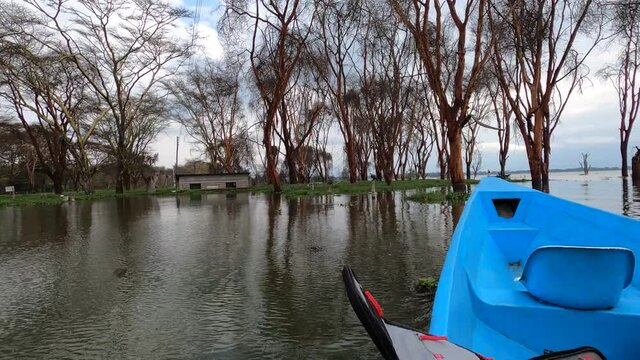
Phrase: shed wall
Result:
[212,182]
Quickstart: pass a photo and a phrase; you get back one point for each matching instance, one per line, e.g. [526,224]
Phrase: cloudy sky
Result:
[589,123]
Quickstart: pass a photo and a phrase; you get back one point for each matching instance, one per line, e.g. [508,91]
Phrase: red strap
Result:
[432,337]
[438,356]
[483,357]
[374,303]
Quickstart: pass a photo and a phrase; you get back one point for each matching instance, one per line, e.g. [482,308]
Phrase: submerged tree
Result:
[584,163]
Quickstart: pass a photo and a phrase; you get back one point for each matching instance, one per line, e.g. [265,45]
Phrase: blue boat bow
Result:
[528,273]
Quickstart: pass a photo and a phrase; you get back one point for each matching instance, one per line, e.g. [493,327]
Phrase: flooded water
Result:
[601,189]
[226,276]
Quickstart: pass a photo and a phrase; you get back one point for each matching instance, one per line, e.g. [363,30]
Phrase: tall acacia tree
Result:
[428,21]
[207,104]
[124,49]
[278,40]
[503,116]
[338,24]
[386,81]
[535,54]
[625,74]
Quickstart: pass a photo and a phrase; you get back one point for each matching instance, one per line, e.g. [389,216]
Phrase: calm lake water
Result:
[226,276]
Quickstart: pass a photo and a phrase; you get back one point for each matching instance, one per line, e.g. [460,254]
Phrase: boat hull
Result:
[481,305]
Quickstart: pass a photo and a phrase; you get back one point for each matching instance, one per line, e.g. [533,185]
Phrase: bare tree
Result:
[321,159]
[535,53]
[278,41]
[300,112]
[470,141]
[428,21]
[362,132]
[422,145]
[478,112]
[502,112]
[624,75]
[584,163]
[207,104]
[124,49]
[11,147]
[386,84]
[152,118]
[477,162]
[32,86]
[338,22]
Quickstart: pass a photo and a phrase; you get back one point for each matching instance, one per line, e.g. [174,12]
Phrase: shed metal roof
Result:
[213,175]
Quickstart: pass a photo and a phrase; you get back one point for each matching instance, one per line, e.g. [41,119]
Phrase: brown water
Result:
[224,276]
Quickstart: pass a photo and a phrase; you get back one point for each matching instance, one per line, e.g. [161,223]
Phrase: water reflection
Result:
[626,204]
[204,277]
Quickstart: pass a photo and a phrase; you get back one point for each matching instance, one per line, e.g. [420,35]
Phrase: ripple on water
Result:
[248,276]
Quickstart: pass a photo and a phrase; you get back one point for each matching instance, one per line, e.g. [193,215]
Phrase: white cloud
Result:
[208,42]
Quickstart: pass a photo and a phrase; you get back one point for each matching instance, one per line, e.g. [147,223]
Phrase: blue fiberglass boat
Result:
[528,273]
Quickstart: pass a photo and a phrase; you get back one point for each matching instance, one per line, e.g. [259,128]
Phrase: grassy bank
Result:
[346,188]
[53,199]
[427,197]
[288,190]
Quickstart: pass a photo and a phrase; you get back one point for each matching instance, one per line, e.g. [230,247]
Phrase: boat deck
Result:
[498,295]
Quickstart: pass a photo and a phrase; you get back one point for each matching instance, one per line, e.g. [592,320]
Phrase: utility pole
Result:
[175,166]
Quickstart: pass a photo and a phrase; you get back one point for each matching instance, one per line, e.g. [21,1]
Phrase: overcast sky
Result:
[589,123]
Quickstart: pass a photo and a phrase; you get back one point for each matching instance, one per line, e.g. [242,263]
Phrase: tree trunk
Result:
[126,179]
[291,164]
[58,182]
[387,162]
[536,173]
[271,171]
[351,158]
[364,171]
[503,163]
[151,181]
[546,160]
[119,175]
[86,183]
[454,134]
[442,162]
[635,167]
[545,179]
[624,146]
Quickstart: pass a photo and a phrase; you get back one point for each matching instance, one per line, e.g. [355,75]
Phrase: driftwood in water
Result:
[635,167]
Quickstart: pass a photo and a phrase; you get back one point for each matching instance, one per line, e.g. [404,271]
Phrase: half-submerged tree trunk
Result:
[624,146]
[635,167]
[456,171]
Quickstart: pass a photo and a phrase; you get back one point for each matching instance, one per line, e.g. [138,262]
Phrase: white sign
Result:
[9,189]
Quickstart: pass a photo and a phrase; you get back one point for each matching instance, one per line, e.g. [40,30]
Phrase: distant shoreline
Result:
[494,173]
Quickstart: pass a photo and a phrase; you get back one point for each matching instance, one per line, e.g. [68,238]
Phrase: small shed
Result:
[212,181]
